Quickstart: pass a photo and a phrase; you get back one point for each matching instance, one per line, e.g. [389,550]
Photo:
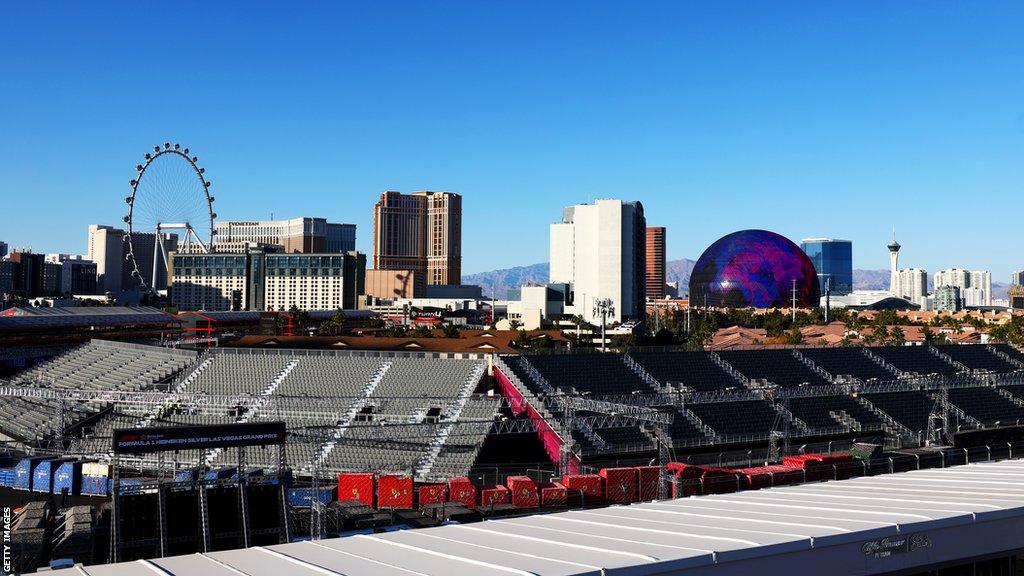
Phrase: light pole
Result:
[603,308]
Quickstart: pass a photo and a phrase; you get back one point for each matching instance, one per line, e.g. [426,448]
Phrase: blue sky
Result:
[811,118]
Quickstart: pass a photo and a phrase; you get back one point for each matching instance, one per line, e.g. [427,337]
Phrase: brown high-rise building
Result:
[420,232]
[656,262]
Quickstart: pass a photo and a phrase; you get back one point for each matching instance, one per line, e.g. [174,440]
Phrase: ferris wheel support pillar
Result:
[158,248]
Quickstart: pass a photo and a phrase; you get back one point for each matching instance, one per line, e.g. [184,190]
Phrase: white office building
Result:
[599,249]
[257,281]
[975,285]
[982,280]
[912,285]
[1017,278]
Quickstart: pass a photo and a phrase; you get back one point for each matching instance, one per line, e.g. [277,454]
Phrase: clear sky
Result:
[811,119]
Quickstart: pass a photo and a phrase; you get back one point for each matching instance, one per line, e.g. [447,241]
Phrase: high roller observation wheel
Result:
[169,194]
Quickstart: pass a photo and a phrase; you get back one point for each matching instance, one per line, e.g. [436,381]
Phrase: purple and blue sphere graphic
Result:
[754,268]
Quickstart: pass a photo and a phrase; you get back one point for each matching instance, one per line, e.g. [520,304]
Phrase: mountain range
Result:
[505,283]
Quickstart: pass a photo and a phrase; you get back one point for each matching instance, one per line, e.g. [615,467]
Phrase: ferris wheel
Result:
[169,195]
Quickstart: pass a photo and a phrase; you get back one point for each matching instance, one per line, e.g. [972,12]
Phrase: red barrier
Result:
[394,492]
[619,485]
[684,470]
[647,479]
[461,490]
[356,487]
[784,475]
[524,491]
[432,494]
[824,466]
[719,481]
[755,478]
[553,494]
[494,495]
[591,485]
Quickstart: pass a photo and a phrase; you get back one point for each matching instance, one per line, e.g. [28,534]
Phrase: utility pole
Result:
[794,301]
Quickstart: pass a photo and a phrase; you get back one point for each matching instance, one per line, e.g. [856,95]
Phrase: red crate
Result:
[784,475]
[591,485]
[494,495]
[647,479]
[619,484]
[462,490]
[356,487]
[684,470]
[719,481]
[432,494]
[394,492]
[524,491]
[553,494]
[683,487]
[755,477]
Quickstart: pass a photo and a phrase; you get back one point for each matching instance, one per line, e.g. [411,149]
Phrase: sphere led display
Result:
[754,268]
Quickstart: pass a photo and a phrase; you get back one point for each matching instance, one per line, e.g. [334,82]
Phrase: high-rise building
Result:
[655,262]
[108,248]
[912,284]
[599,250]
[981,280]
[894,258]
[303,235]
[3,249]
[32,278]
[444,237]
[947,298]
[833,259]
[953,277]
[1017,278]
[421,232]
[975,285]
[259,280]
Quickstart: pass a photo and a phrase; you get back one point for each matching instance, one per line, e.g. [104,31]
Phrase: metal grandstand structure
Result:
[425,414]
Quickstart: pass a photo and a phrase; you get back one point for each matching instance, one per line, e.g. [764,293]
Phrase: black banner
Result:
[988,437]
[145,440]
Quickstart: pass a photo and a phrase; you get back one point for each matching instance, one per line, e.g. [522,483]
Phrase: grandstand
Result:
[426,414]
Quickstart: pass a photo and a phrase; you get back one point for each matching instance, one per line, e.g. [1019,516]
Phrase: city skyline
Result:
[694,111]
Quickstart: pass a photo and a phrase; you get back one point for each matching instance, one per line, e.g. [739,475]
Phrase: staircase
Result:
[698,423]
[729,369]
[1006,357]
[970,420]
[797,423]
[371,385]
[450,414]
[1006,394]
[644,374]
[949,360]
[878,360]
[893,427]
[183,383]
[817,369]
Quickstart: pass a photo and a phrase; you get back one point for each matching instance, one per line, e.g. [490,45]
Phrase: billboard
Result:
[163,439]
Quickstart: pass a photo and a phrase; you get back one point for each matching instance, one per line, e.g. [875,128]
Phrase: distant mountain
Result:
[506,282]
[679,271]
[870,279]
[508,279]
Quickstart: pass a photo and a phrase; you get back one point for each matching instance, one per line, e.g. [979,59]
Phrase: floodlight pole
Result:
[604,308]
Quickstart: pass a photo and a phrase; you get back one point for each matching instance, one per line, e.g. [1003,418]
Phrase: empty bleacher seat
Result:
[779,367]
[695,370]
